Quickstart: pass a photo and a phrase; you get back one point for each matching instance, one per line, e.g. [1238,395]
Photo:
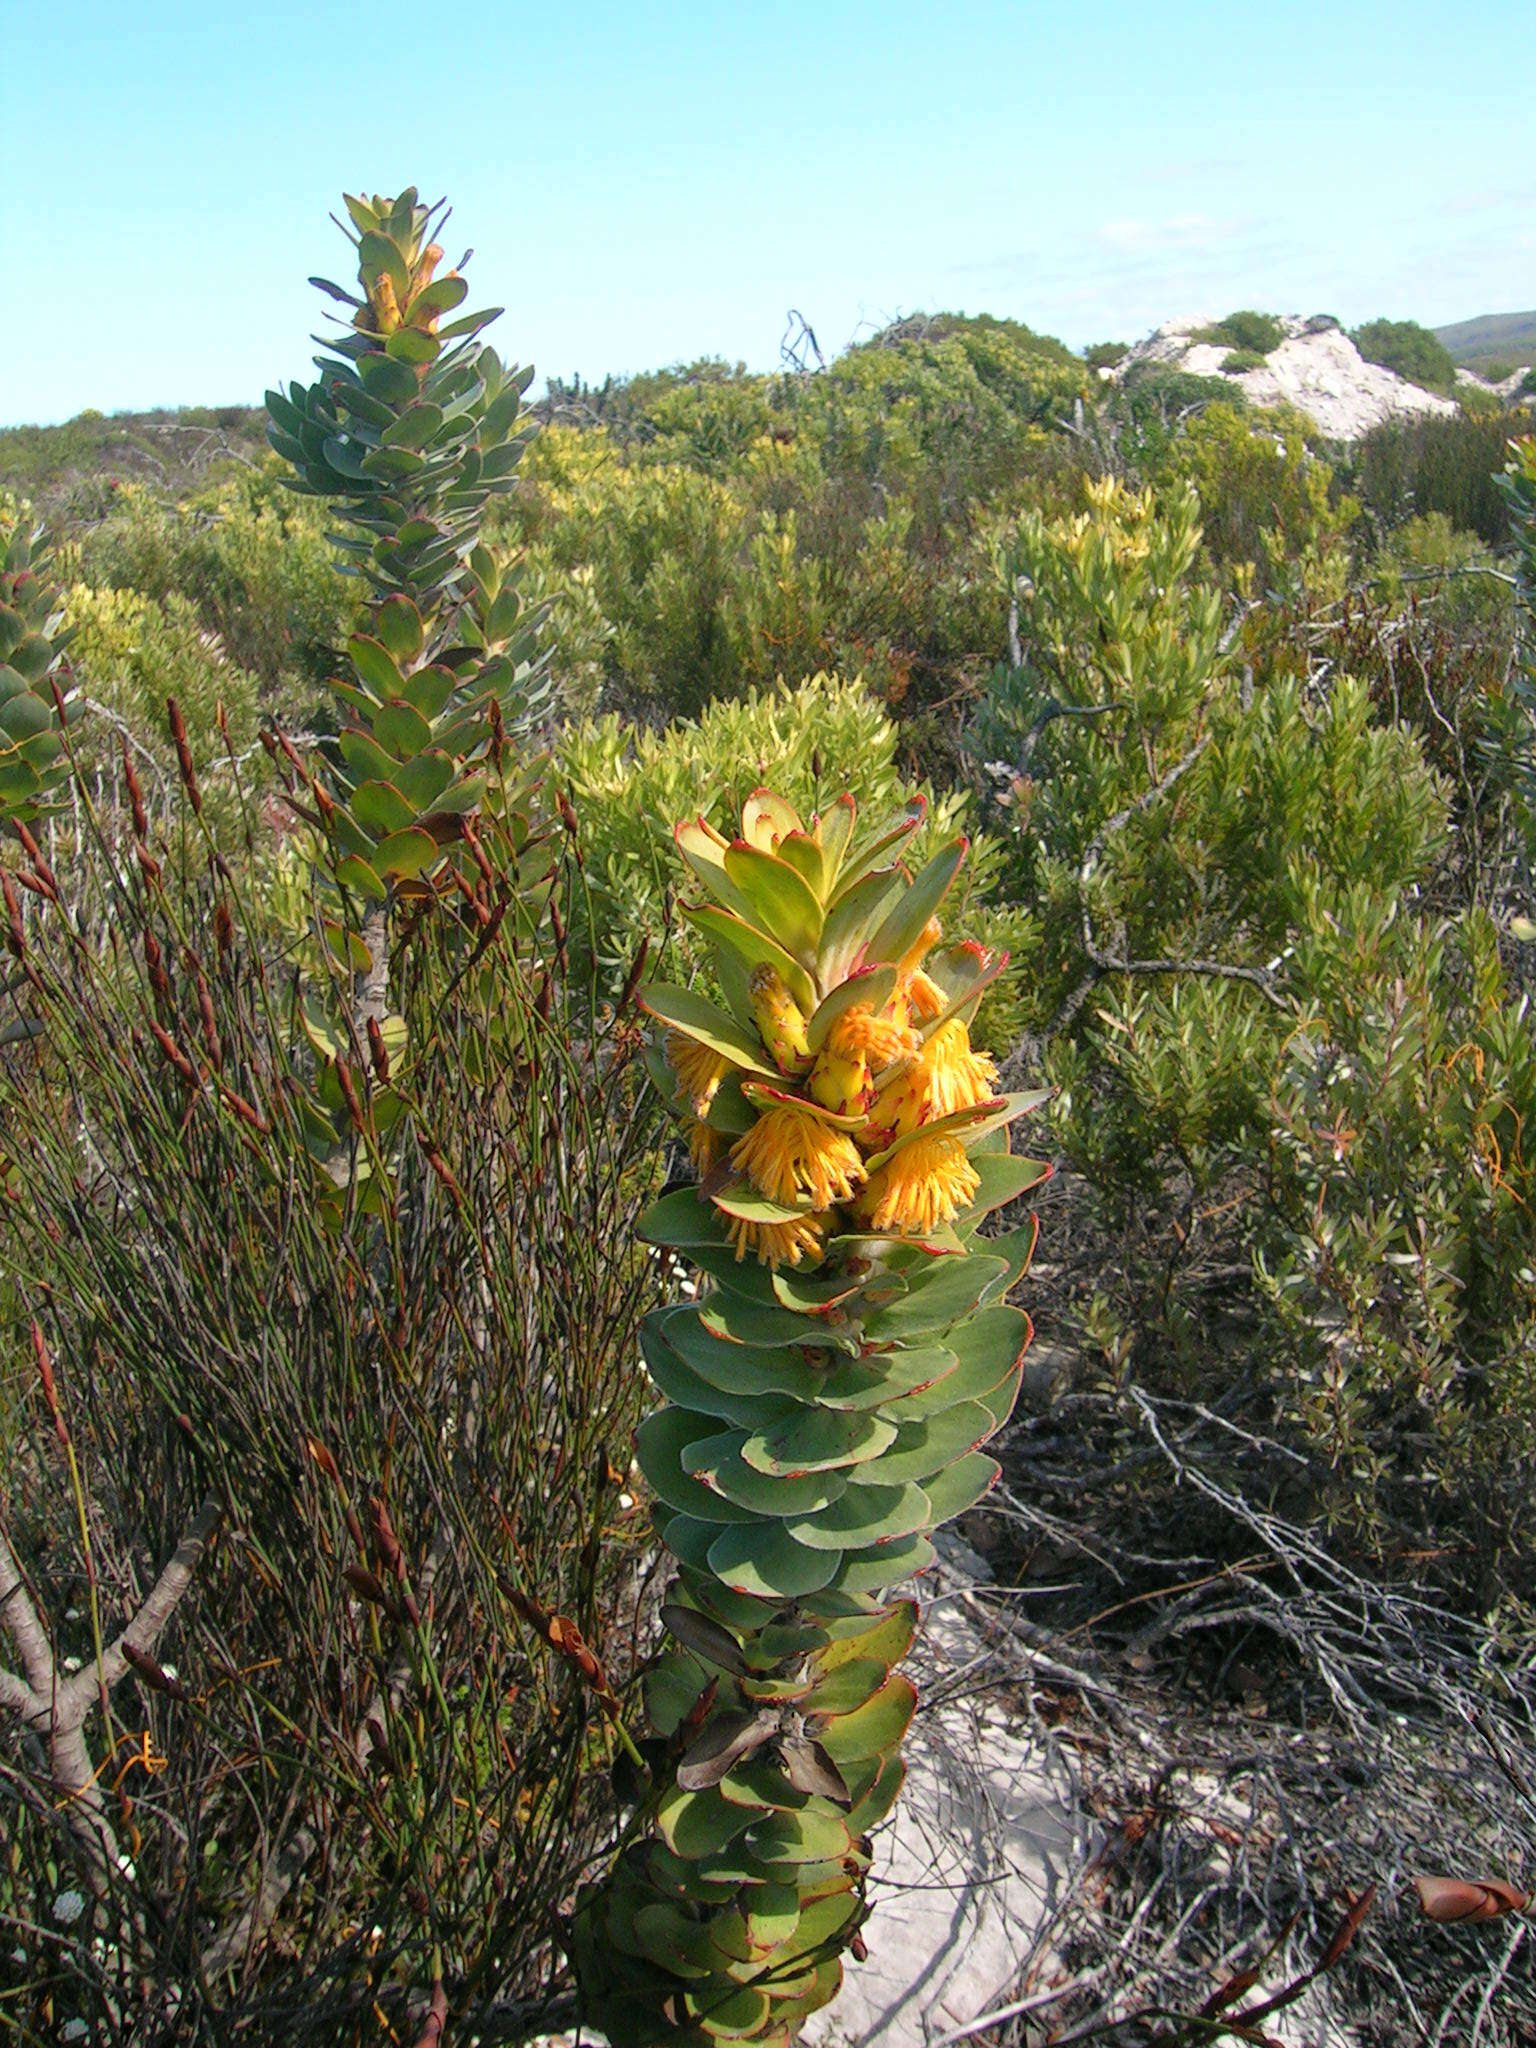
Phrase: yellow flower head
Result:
[791,1156]
[776,1244]
[955,1076]
[925,1000]
[946,1076]
[779,1019]
[699,1071]
[879,1039]
[925,1185]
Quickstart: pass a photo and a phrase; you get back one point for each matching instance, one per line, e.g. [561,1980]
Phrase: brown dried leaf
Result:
[1451,1899]
[809,1768]
[720,1745]
[706,1638]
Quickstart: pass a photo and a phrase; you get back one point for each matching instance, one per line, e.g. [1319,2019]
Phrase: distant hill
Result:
[1494,341]
[47,465]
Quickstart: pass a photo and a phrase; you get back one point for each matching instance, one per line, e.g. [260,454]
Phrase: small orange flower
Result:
[791,1156]
[925,1000]
[879,1039]
[776,1244]
[925,942]
[925,1185]
[946,1076]
[699,1071]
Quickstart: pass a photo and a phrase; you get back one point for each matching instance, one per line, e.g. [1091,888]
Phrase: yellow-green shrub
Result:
[627,785]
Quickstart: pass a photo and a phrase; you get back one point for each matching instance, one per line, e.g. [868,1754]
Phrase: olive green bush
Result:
[1265,497]
[1409,349]
[1397,1248]
[248,558]
[1261,979]
[734,530]
[1248,332]
[1411,468]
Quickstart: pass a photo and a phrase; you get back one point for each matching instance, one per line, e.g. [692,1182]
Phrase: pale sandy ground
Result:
[982,1840]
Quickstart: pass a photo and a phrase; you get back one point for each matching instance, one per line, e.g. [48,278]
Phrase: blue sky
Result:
[643,184]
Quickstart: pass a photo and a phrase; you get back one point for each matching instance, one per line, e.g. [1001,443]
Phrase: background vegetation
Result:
[1241,726]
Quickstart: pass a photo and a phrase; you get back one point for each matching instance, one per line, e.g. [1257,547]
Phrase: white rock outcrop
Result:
[1507,388]
[1316,368]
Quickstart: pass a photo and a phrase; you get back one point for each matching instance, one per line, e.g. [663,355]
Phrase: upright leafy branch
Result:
[411,429]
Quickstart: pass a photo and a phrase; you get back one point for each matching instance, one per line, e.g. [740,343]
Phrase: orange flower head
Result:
[926,1184]
[776,1244]
[791,1156]
[699,1070]
[879,1039]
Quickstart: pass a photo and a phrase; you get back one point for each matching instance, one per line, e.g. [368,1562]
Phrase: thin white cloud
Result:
[1506,198]
[1171,236]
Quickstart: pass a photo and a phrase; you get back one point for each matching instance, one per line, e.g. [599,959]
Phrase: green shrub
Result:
[1106,355]
[134,651]
[1265,498]
[1237,360]
[628,786]
[253,562]
[1397,1251]
[1151,406]
[1409,349]
[1411,467]
[67,469]
[1278,1043]
[1479,405]
[1256,333]
[695,585]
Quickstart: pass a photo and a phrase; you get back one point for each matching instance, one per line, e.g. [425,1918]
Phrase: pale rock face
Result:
[1316,368]
[1507,388]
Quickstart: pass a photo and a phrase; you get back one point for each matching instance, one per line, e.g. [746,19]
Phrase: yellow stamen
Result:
[776,1244]
[699,1070]
[790,1156]
[925,941]
[925,999]
[880,1039]
[946,1076]
[925,1185]
[956,1077]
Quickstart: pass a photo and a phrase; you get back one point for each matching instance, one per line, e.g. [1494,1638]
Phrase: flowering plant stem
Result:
[849,1350]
